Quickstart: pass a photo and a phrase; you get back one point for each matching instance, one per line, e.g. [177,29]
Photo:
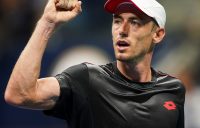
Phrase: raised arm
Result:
[24,88]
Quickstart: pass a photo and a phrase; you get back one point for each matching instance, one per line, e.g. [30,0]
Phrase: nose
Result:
[124,30]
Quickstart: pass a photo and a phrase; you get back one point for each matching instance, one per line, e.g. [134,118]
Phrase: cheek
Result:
[141,40]
[145,43]
[114,34]
[144,37]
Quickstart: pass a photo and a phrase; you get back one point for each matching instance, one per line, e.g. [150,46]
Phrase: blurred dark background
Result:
[177,55]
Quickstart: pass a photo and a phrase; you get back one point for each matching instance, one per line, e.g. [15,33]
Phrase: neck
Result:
[139,71]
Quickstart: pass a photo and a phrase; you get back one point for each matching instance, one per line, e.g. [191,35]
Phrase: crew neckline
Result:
[139,85]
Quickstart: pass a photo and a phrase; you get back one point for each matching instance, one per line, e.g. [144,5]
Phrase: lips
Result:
[122,44]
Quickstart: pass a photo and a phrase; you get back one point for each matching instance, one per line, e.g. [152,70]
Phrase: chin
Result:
[135,59]
[123,58]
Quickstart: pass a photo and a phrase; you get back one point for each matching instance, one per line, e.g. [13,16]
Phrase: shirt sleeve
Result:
[71,82]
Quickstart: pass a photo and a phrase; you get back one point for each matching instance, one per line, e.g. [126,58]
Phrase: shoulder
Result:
[77,72]
[84,69]
[164,77]
[76,68]
[105,69]
[169,82]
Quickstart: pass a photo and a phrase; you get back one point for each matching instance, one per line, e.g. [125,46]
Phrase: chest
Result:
[126,106]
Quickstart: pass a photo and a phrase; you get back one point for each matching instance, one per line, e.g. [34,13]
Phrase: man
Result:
[127,93]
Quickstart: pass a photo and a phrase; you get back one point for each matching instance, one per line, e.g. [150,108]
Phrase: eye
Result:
[116,21]
[136,22]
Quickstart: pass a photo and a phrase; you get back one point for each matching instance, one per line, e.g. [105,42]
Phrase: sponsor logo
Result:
[170,105]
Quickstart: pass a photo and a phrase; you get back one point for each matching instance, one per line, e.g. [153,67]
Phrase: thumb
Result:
[77,9]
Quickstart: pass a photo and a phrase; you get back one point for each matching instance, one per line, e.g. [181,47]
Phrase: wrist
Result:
[46,24]
[44,29]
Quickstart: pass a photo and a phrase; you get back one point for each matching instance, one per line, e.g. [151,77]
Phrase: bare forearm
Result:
[29,62]
[23,80]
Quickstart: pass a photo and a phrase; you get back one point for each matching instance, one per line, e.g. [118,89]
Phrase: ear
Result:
[158,35]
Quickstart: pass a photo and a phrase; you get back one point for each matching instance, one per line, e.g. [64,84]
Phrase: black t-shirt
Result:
[101,97]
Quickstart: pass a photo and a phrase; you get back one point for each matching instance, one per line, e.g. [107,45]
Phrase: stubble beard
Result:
[131,59]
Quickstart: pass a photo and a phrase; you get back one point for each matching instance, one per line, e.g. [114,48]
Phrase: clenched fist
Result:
[58,11]
[66,4]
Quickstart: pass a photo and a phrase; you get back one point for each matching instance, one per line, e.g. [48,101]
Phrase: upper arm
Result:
[52,90]
[42,95]
[46,93]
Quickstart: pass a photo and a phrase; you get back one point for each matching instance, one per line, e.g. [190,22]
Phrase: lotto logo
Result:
[170,105]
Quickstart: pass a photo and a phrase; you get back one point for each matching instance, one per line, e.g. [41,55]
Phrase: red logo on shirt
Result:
[170,105]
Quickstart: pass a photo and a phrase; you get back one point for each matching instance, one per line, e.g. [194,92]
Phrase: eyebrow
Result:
[116,16]
[144,21]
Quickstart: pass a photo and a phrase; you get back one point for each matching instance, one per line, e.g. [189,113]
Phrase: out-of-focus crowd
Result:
[178,54]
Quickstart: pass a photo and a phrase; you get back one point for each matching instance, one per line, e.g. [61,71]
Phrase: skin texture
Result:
[25,88]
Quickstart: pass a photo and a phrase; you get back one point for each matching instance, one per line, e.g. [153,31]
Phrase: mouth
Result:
[122,44]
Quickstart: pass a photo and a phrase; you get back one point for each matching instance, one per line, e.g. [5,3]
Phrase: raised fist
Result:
[57,11]
[66,4]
